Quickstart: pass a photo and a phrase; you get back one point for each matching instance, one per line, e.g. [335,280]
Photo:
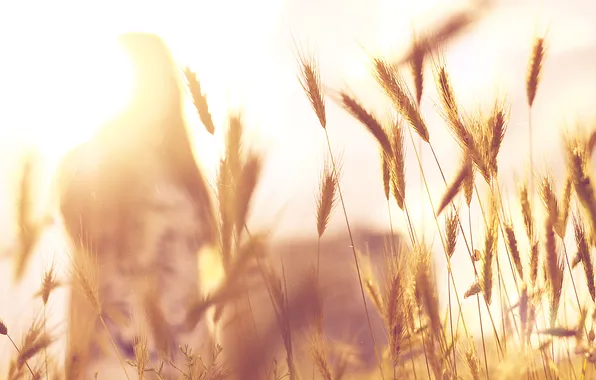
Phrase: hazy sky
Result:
[54,83]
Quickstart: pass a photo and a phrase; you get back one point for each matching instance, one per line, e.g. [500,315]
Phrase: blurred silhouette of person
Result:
[135,202]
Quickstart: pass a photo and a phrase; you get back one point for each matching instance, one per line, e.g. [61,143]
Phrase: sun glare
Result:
[97,85]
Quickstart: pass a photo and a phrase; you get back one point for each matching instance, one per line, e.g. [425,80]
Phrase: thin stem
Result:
[450,272]
[341,198]
[478,298]
[19,351]
[470,251]
[45,350]
[103,322]
[391,241]
[395,253]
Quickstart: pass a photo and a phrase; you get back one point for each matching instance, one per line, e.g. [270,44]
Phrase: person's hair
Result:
[101,180]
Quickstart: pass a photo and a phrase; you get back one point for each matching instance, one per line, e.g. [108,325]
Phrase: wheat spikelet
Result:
[583,252]
[310,81]
[386,171]
[527,212]
[561,226]
[326,198]
[534,68]
[226,199]
[453,189]
[473,290]
[233,145]
[199,100]
[245,188]
[513,249]
[549,199]
[451,230]
[86,278]
[554,269]
[48,284]
[582,184]
[398,174]
[417,66]
[355,108]
[141,353]
[472,361]
[455,121]
[394,315]
[3,328]
[397,90]
[490,246]
[478,143]
[444,31]
[497,126]
[34,342]
[427,291]
[450,111]
[319,355]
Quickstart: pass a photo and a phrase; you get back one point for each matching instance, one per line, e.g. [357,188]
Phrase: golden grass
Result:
[421,338]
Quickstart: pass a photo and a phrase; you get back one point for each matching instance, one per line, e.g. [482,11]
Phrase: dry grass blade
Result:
[397,90]
[355,108]
[311,84]
[327,198]
[513,249]
[583,252]
[534,68]
[199,100]
[454,187]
